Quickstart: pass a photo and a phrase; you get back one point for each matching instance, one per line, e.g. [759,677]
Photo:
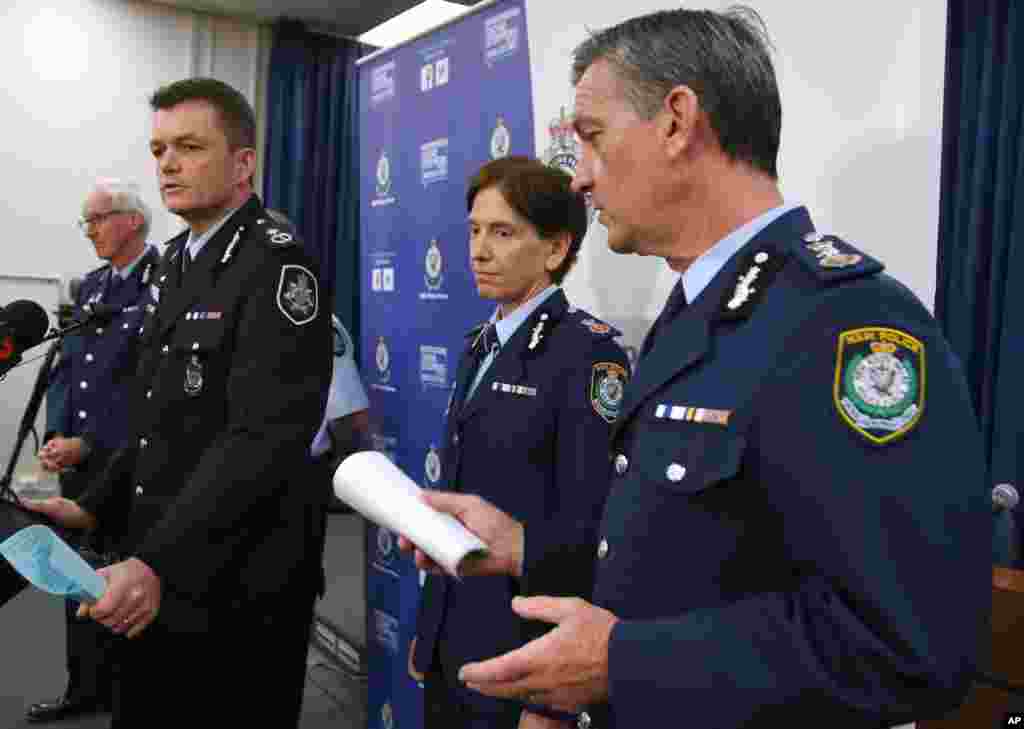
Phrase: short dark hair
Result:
[235,111]
[541,194]
[724,57]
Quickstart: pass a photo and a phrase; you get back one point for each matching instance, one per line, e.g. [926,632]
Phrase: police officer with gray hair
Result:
[92,382]
[780,545]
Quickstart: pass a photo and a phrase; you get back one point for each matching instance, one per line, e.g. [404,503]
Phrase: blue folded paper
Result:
[49,563]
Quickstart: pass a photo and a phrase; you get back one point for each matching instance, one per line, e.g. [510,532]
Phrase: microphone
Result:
[74,287]
[23,325]
[99,312]
[1004,497]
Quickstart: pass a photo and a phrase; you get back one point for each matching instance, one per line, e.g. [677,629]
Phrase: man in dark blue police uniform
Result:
[797,533]
[219,532]
[537,388]
[94,378]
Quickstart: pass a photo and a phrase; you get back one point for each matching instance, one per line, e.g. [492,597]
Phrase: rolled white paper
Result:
[375,487]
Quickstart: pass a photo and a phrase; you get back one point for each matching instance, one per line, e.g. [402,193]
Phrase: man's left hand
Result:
[131,601]
[565,669]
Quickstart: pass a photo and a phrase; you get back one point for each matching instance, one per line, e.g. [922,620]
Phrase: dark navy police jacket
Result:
[797,531]
[97,365]
[532,440]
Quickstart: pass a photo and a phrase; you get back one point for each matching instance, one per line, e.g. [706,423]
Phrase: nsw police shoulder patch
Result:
[297,294]
[879,388]
[607,385]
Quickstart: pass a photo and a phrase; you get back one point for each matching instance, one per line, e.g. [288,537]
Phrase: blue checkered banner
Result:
[432,112]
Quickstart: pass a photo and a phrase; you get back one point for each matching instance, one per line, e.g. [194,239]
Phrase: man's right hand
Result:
[65,512]
[503,535]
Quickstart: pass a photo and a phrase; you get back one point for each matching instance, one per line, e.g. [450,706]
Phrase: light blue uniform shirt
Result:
[697,277]
[505,328]
[197,243]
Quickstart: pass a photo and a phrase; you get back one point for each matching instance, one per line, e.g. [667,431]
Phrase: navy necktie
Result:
[186,261]
[675,304]
[487,341]
[484,344]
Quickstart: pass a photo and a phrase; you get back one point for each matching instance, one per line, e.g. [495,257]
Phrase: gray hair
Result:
[723,57]
[125,196]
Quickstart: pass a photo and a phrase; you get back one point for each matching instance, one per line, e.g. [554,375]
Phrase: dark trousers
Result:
[88,644]
[89,660]
[249,669]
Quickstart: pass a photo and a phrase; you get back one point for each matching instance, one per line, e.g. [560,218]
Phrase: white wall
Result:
[77,75]
[861,87]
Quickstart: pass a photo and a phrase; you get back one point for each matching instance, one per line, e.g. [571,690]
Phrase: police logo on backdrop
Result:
[563,151]
[383,359]
[383,83]
[432,466]
[607,385]
[879,388]
[384,558]
[501,35]
[434,161]
[433,263]
[434,71]
[383,182]
[297,294]
[441,71]
[434,366]
[386,630]
[433,277]
[501,140]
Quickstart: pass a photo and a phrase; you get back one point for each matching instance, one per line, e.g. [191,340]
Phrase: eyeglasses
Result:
[98,218]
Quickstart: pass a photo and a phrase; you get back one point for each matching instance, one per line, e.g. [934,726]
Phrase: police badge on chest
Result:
[193,376]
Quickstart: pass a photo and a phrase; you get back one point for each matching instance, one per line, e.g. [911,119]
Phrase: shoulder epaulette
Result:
[275,234]
[830,259]
[592,324]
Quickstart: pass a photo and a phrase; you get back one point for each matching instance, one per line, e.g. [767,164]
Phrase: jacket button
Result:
[89,358]
[149,394]
[195,346]
[165,349]
[143,442]
[583,721]
[621,464]
[125,325]
[138,490]
[455,438]
[84,385]
[675,472]
[81,414]
[602,549]
[99,330]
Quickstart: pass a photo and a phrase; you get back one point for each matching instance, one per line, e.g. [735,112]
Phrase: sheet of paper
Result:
[46,560]
[375,487]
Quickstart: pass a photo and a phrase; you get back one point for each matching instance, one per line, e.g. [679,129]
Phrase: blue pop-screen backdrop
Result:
[432,112]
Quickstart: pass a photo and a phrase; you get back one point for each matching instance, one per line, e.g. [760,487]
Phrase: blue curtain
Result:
[980,278]
[311,156]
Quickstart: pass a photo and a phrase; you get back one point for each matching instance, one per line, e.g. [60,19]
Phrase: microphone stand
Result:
[28,420]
